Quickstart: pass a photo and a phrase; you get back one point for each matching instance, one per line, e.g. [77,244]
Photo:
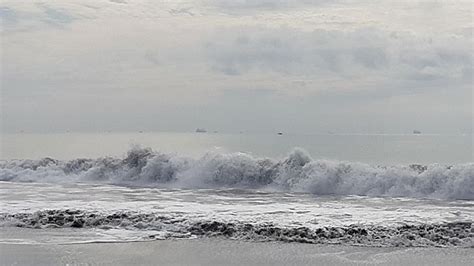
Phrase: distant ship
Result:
[280,133]
[201,130]
[416,132]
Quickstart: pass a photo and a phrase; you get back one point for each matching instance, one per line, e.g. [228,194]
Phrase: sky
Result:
[302,66]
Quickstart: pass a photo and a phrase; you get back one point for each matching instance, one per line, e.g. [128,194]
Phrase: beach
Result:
[216,251]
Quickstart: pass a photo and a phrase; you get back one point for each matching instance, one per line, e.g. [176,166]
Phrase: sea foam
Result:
[423,235]
[298,172]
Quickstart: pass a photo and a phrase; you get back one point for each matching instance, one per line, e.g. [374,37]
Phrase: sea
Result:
[375,190]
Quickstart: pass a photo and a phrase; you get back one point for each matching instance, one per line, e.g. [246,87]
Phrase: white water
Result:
[298,172]
[286,210]
[202,185]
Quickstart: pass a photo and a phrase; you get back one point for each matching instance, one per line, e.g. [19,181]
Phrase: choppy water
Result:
[198,190]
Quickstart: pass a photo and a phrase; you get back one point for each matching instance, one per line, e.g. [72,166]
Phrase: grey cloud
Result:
[8,16]
[241,50]
[56,16]
[179,11]
[118,1]
[35,18]
[438,61]
[371,57]
[234,6]
[290,51]
[152,58]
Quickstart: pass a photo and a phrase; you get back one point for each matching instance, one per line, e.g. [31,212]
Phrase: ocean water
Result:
[369,190]
[375,149]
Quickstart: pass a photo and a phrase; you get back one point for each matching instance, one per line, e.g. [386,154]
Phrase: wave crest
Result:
[297,172]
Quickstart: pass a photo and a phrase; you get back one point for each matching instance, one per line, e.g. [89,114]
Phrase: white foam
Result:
[298,172]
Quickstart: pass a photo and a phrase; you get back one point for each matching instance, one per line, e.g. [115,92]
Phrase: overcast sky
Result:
[297,66]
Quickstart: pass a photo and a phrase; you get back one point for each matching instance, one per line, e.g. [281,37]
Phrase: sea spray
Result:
[298,172]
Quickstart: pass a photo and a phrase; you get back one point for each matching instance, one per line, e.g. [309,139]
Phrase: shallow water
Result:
[130,214]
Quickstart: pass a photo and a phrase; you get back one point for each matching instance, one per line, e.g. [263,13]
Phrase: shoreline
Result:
[225,252]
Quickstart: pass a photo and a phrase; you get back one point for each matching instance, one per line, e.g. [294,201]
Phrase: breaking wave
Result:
[422,235]
[298,172]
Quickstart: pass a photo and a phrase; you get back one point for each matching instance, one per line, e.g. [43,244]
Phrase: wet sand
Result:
[225,252]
